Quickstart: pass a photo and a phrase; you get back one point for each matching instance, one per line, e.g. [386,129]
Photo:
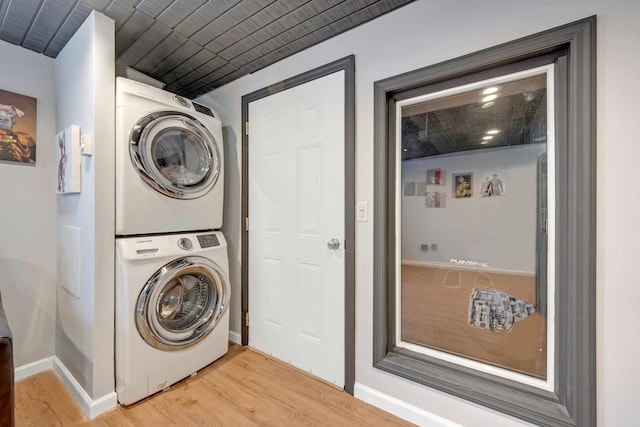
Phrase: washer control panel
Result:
[208,240]
[185,243]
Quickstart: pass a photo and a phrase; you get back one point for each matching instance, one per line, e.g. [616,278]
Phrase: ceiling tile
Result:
[200,58]
[275,28]
[207,13]
[197,73]
[180,55]
[179,11]
[162,51]
[264,18]
[50,17]
[153,8]
[120,13]
[17,20]
[67,30]
[134,28]
[144,44]
[229,19]
[192,46]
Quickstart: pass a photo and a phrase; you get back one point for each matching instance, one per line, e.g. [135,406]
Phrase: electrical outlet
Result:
[424,247]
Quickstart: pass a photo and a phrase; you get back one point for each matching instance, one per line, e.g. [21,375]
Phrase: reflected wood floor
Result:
[435,313]
[243,388]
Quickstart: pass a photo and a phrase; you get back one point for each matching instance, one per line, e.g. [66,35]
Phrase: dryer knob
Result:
[185,243]
[180,101]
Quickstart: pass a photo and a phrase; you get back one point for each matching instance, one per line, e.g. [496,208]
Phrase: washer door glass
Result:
[182,303]
[175,154]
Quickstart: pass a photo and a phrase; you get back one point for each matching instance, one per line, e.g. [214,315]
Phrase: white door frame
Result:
[348,65]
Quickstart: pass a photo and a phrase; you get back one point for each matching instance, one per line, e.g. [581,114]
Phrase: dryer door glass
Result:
[182,303]
[175,154]
[181,156]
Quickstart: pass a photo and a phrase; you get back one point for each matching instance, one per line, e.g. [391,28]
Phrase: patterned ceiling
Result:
[460,122]
[193,46]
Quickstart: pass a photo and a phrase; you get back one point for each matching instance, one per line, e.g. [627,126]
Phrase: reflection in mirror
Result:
[473,200]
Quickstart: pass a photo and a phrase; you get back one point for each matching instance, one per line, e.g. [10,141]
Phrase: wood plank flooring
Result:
[244,388]
[435,313]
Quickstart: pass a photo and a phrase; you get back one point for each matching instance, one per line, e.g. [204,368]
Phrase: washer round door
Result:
[182,303]
[175,154]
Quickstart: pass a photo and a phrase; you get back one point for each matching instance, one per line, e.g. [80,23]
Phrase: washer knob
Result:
[185,243]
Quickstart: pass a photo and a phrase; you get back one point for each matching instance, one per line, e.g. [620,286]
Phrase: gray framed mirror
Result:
[485,226]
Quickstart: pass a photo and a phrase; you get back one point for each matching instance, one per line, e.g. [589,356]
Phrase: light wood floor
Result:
[435,313]
[244,388]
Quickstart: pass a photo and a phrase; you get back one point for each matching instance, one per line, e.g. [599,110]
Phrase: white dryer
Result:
[172,294]
[169,162]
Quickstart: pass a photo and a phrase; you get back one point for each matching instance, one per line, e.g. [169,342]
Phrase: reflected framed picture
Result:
[410,188]
[462,185]
[436,199]
[18,125]
[436,177]
[69,160]
[493,184]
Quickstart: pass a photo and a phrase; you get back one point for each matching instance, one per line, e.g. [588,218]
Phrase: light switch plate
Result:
[362,211]
[86,145]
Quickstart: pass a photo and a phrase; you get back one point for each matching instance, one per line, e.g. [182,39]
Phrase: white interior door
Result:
[296,208]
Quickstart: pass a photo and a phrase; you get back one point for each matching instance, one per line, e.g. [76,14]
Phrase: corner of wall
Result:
[85,82]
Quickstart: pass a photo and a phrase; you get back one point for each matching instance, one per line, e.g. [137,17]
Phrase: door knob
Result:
[333,244]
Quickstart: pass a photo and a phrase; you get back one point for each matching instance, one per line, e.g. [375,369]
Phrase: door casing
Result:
[348,65]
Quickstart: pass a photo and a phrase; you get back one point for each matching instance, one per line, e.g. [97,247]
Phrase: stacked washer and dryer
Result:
[172,286]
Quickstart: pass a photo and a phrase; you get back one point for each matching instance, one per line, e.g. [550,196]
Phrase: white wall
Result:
[27,200]
[498,231]
[85,89]
[427,32]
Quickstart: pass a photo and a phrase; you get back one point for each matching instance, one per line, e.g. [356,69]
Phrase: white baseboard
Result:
[33,368]
[235,337]
[92,408]
[400,408]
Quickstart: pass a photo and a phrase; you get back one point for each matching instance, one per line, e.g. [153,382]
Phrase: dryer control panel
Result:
[208,240]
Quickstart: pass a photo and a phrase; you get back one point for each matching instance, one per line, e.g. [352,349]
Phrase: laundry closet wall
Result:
[427,32]
[85,93]
[27,214]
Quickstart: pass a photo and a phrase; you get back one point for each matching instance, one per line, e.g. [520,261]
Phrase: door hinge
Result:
[246,128]
[246,319]
[246,223]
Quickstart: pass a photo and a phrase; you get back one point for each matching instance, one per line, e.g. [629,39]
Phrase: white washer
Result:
[172,294]
[169,162]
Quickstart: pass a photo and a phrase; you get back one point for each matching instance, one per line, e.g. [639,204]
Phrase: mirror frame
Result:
[573,400]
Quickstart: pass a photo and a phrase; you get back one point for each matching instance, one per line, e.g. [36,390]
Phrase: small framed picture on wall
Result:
[493,184]
[410,188]
[18,126]
[462,185]
[436,199]
[436,177]
[69,161]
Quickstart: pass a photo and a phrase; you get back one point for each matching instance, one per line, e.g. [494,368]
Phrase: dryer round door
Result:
[182,303]
[175,154]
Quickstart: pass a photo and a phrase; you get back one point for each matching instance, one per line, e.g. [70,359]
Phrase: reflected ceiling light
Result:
[484,142]
[489,98]
[493,132]
[404,149]
[487,138]
[488,104]
[490,90]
